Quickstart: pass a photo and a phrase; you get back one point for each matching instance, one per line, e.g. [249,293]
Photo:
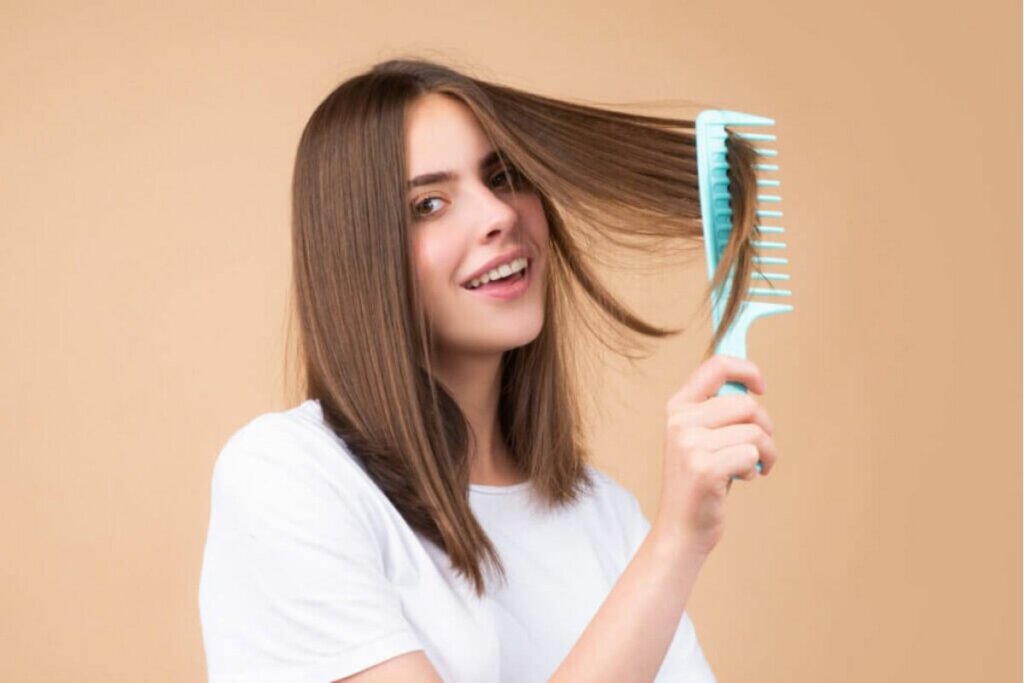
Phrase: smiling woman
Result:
[432,496]
[484,222]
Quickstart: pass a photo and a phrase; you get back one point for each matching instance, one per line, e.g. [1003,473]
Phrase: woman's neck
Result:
[474,382]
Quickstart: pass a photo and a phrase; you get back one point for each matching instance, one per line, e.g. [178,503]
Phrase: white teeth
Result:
[501,271]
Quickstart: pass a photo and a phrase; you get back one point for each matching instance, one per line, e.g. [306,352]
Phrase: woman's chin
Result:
[496,342]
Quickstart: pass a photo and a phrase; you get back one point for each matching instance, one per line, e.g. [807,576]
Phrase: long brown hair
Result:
[603,176]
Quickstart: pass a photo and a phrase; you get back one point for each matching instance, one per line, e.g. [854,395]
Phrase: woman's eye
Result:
[509,178]
[418,208]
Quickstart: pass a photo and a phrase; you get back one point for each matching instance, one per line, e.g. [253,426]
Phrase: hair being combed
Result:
[603,176]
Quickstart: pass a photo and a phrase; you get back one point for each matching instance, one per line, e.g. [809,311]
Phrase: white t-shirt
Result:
[310,574]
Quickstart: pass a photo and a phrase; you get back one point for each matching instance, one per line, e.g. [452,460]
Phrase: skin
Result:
[459,225]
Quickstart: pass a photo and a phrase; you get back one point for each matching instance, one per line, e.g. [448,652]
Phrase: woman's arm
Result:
[628,638]
[709,441]
[412,667]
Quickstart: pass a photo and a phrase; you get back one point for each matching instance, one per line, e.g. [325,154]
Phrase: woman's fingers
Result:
[738,461]
[722,411]
[715,441]
[710,376]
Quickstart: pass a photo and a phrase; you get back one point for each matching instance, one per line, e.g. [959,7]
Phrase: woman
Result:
[428,512]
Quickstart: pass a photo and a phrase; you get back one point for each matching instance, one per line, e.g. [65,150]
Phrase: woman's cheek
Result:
[434,266]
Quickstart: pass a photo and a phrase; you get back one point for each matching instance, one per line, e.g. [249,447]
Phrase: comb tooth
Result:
[769,198]
[771,260]
[762,244]
[769,214]
[766,152]
[764,291]
[767,183]
[755,136]
[766,167]
[771,228]
[769,276]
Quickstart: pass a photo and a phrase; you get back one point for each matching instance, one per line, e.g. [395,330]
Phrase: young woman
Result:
[428,512]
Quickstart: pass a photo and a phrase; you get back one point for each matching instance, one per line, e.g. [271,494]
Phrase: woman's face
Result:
[463,219]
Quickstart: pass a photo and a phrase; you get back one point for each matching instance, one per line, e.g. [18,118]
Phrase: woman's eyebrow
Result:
[446,176]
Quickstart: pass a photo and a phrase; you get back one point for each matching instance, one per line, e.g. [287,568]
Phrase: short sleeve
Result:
[292,587]
[685,659]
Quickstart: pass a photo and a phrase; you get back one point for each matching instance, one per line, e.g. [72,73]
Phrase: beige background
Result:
[143,274]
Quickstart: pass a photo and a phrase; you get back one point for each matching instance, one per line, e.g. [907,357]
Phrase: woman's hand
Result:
[708,439]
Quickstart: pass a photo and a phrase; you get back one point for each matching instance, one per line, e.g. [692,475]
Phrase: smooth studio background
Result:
[144,188]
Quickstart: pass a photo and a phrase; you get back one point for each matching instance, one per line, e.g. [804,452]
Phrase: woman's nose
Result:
[496,213]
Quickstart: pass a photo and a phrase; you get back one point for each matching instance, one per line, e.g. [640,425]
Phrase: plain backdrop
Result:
[147,151]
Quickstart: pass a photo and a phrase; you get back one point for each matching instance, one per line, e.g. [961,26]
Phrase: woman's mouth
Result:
[510,287]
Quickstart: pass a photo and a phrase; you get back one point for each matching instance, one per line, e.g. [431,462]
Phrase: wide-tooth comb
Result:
[716,215]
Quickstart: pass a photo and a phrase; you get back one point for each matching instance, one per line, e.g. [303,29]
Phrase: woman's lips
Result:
[509,288]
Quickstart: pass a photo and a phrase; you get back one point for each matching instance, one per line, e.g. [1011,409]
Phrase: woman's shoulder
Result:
[298,423]
[293,434]
[288,450]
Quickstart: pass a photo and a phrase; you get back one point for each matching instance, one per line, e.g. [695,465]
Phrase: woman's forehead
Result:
[442,134]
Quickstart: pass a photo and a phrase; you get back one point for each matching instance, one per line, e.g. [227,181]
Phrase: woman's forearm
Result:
[628,637]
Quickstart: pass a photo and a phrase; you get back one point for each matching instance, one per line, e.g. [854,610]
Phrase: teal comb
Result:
[716,215]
